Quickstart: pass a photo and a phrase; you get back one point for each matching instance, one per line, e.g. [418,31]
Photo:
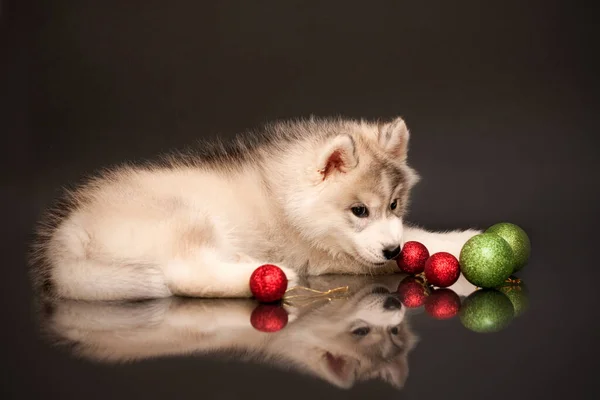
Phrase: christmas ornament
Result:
[442,269]
[518,294]
[517,239]
[413,291]
[412,258]
[486,260]
[486,311]
[268,283]
[269,318]
[442,304]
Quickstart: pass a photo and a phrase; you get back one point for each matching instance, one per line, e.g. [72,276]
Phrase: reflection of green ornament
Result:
[486,310]
[518,294]
[486,260]
[516,238]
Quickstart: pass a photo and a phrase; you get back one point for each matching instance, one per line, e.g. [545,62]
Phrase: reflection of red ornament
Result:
[413,291]
[442,304]
[412,258]
[269,318]
[268,283]
[442,269]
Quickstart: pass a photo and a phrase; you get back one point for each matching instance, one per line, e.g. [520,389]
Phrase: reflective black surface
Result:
[501,104]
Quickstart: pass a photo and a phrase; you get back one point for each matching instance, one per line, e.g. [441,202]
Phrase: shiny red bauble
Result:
[269,318]
[412,258]
[442,269]
[268,283]
[442,304]
[413,291]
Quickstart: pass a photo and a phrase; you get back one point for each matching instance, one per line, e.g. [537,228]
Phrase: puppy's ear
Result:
[393,138]
[339,370]
[395,372]
[339,155]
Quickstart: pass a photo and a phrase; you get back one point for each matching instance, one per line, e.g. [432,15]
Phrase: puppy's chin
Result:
[367,263]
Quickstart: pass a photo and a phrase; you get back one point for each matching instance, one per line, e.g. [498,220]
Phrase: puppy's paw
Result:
[292,277]
[459,239]
[469,233]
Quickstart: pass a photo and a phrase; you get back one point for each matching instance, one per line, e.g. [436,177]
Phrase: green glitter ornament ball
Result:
[516,238]
[518,294]
[486,260]
[486,311]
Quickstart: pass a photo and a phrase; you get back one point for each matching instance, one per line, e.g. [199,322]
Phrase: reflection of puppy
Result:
[360,337]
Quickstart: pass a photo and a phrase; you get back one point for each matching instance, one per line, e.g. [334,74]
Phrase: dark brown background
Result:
[499,97]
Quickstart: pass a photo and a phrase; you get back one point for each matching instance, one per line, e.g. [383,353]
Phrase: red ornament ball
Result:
[269,318]
[442,304]
[268,283]
[412,258]
[413,291]
[442,269]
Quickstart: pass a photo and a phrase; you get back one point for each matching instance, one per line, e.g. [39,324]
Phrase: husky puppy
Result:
[316,196]
[362,335]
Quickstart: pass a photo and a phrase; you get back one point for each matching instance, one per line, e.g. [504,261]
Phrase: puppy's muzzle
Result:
[390,253]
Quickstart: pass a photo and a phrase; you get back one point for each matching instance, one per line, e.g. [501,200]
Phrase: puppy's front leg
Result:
[206,274]
[449,241]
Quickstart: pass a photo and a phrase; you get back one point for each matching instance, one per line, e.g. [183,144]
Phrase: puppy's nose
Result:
[392,303]
[391,252]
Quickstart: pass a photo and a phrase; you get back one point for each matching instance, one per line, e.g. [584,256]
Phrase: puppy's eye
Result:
[394,330]
[361,331]
[360,211]
[394,204]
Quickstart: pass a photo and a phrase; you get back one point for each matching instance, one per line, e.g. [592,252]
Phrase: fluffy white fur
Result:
[199,224]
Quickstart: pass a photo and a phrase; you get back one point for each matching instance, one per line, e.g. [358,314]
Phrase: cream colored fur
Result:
[199,225]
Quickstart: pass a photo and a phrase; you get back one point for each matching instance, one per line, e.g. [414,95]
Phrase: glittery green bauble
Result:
[486,311]
[518,294]
[486,260]
[517,239]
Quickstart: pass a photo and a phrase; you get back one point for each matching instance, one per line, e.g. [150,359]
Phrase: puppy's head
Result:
[358,191]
